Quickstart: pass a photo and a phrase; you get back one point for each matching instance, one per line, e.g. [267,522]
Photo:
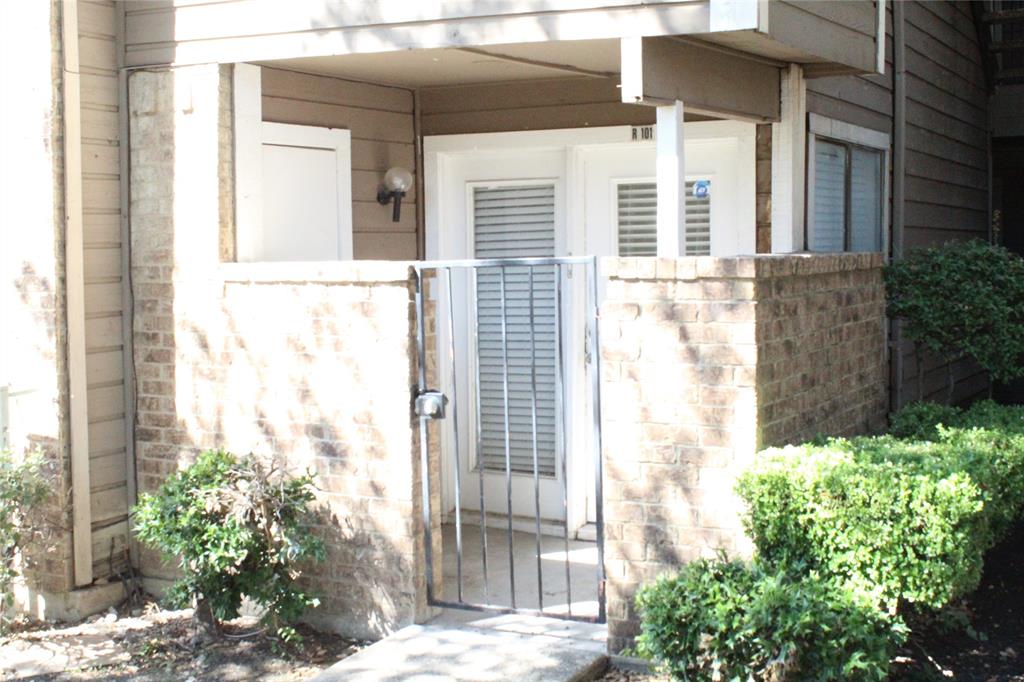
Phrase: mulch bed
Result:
[991,649]
[169,647]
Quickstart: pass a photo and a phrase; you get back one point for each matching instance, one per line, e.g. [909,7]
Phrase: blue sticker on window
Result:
[701,189]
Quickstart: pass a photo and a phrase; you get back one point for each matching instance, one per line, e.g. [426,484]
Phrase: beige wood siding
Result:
[841,32]
[104,308]
[163,32]
[946,147]
[528,105]
[381,122]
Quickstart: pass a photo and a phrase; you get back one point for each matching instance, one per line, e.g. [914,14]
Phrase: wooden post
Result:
[671,177]
[789,145]
[81,491]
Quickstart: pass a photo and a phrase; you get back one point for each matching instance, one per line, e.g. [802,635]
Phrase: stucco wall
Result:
[33,344]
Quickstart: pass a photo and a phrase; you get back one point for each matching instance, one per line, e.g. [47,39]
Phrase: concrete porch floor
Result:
[456,647]
[462,645]
[582,570]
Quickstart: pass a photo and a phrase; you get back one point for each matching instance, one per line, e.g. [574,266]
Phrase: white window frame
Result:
[832,130]
[251,134]
[614,219]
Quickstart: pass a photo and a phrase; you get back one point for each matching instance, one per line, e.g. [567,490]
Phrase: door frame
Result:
[439,154]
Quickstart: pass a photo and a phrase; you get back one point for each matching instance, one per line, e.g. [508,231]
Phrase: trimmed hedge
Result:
[847,533]
[902,519]
[719,620]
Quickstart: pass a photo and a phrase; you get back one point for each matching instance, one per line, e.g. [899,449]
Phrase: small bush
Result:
[920,421]
[905,520]
[962,300]
[23,488]
[719,620]
[235,528]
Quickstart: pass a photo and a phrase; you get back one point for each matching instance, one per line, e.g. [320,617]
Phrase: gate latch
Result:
[431,404]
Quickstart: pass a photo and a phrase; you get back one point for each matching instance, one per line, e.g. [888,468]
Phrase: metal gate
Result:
[520,315]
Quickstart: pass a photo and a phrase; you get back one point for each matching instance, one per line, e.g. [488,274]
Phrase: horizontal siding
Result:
[228,31]
[380,120]
[104,307]
[528,105]
[947,158]
[946,145]
[840,32]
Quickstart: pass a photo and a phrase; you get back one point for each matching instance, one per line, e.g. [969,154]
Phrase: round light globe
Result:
[398,179]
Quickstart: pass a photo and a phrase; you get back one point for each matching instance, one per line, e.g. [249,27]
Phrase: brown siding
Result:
[528,105]
[381,122]
[843,32]
[104,308]
[946,181]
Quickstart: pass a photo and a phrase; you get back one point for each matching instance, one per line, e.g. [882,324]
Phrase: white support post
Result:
[248,108]
[789,157]
[671,178]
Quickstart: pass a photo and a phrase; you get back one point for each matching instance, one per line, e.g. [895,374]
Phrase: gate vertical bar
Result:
[456,434]
[533,422]
[595,384]
[479,432]
[508,442]
[560,442]
[421,345]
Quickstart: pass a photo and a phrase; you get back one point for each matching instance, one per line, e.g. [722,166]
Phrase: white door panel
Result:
[585,169]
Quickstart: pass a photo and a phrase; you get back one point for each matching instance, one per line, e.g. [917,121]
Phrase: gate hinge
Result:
[431,404]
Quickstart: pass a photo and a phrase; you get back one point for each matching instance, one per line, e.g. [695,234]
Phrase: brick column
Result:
[308,363]
[705,360]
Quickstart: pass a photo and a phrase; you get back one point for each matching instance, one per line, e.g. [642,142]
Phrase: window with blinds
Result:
[637,218]
[516,221]
[847,186]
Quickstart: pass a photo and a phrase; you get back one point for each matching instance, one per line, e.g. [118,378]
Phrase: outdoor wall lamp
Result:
[397,181]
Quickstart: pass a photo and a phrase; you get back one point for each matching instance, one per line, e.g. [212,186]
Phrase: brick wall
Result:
[309,362]
[822,364]
[705,360]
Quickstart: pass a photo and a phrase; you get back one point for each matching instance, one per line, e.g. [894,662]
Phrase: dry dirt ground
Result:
[156,645]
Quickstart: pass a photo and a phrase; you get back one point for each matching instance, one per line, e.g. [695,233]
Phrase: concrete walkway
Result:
[475,647]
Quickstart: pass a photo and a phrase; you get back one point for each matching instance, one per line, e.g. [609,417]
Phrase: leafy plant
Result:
[921,420]
[961,300]
[23,488]
[237,529]
[905,520]
[721,620]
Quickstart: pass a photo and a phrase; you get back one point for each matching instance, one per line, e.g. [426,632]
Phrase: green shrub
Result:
[903,519]
[236,528]
[23,488]
[718,620]
[879,527]
[920,421]
[962,300]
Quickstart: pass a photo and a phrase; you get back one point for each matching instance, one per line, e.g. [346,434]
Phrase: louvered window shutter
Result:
[865,200]
[829,230]
[637,212]
[514,222]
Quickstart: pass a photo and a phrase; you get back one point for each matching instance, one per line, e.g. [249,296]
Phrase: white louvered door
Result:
[560,193]
[516,221]
[515,346]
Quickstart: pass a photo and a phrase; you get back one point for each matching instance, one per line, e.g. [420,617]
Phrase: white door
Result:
[599,191]
[504,205]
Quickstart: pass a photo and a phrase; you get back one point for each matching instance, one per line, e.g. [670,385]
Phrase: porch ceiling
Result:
[464,66]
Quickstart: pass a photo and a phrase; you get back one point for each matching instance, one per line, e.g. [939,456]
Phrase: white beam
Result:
[671,177]
[789,144]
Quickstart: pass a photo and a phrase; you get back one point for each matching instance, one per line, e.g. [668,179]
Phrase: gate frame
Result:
[593,346]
